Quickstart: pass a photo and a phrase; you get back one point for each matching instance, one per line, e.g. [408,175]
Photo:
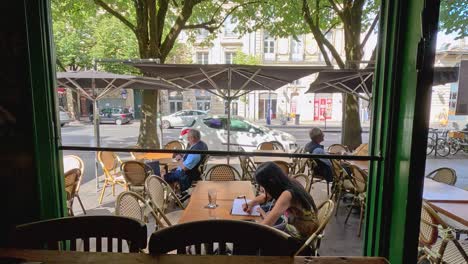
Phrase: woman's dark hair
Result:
[275,182]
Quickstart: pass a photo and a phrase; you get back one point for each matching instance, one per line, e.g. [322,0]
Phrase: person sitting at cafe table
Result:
[187,169]
[292,201]
[324,165]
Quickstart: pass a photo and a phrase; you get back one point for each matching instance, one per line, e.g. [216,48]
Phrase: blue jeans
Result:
[180,177]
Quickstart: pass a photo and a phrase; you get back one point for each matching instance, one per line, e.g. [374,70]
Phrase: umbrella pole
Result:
[96,138]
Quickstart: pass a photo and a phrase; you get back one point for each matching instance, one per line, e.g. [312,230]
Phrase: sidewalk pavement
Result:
[329,126]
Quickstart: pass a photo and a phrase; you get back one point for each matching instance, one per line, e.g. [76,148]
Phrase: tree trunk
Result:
[148,126]
[352,130]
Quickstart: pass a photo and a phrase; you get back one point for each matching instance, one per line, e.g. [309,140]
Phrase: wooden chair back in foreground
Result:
[337,149]
[175,144]
[54,233]
[324,214]
[433,248]
[221,172]
[444,175]
[135,174]
[71,180]
[243,238]
[270,145]
[75,162]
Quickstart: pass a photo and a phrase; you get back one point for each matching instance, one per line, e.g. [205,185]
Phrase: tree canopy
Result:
[454,17]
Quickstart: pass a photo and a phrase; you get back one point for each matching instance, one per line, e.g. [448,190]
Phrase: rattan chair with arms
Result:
[135,174]
[337,149]
[175,144]
[75,162]
[221,172]
[270,145]
[444,175]
[71,180]
[202,237]
[131,204]
[436,239]
[325,211]
[110,164]
[160,194]
[359,181]
[303,180]
[107,230]
[284,166]
[247,165]
[340,186]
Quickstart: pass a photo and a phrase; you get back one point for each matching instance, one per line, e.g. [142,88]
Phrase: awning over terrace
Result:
[359,82]
[227,81]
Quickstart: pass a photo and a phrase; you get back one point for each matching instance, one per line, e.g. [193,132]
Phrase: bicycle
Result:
[437,144]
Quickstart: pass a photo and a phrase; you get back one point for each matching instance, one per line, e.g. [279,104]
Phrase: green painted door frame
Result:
[402,93]
[51,200]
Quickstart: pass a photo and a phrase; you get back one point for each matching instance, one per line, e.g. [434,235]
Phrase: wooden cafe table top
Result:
[72,257]
[226,193]
[447,200]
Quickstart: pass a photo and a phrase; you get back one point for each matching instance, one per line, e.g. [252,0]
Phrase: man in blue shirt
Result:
[314,147]
[187,169]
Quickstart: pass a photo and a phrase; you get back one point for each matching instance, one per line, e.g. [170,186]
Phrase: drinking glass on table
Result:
[212,198]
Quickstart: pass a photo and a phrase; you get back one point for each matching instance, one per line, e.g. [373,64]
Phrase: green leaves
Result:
[454,17]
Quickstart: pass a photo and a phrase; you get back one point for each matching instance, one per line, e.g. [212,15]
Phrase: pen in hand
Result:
[246,204]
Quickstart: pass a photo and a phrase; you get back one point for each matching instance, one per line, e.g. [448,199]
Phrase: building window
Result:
[297,49]
[175,102]
[234,108]
[202,57]
[268,47]
[229,57]
[229,26]
[203,99]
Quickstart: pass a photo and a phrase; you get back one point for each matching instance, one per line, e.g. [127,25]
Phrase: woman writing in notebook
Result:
[292,200]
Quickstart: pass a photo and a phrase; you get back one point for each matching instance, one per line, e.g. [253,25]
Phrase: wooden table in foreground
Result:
[70,257]
[226,193]
[447,200]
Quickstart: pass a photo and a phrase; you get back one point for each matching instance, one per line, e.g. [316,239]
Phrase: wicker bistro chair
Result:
[75,162]
[71,180]
[303,180]
[271,145]
[359,181]
[433,248]
[444,175]
[325,211]
[105,229]
[337,149]
[222,172]
[248,167]
[202,237]
[284,166]
[110,163]
[160,194]
[175,144]
[342,183]
[135,174]
[131,204]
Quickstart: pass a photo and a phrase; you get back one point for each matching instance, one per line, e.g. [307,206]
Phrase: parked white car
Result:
[181,118]
[244,134]
[64,116]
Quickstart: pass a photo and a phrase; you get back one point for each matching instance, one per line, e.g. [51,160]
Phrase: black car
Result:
[115,115]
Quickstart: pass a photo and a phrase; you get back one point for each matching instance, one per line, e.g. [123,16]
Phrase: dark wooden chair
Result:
[54,233]
[202,237]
